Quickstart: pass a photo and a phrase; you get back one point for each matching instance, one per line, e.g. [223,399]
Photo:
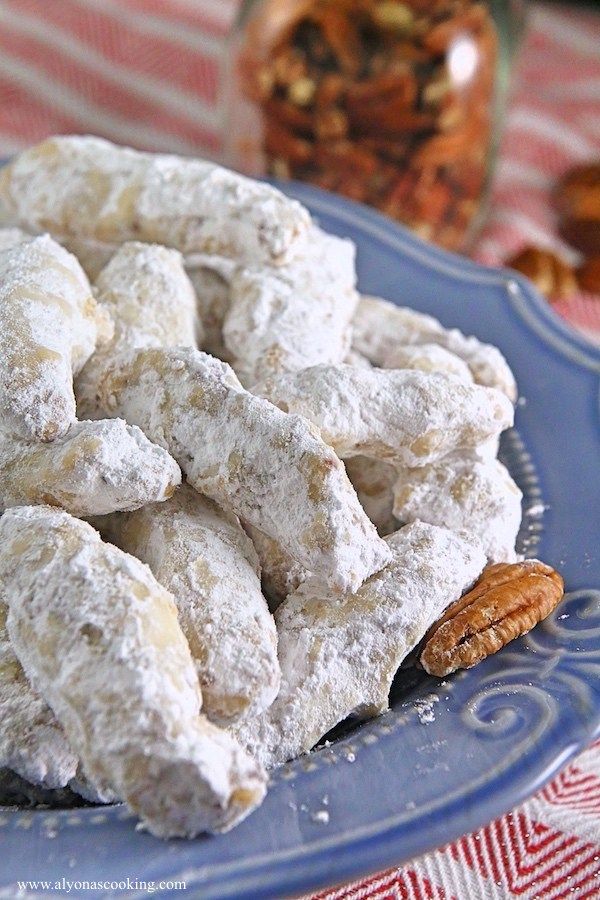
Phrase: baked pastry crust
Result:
[212,299]
[374,481]
[280,573]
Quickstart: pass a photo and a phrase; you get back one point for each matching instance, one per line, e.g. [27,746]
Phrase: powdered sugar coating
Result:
[379,326]
[354,358]
[271,469]
[88,188]
[203,556]
[49,327]
[92,255]
[92,793]
[146,289]
[340,658]
[287,318]
[95,468]
[11,237]
[100,638]
[373,482]
[405,417]
[428,358]
[32,743]
[280,573]
[151,301]
[212,297]
[464,492]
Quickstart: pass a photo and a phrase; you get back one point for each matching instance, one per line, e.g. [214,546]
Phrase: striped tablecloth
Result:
[151,73]
[553,123]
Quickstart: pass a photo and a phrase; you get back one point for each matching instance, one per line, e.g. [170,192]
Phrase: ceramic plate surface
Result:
[448,757]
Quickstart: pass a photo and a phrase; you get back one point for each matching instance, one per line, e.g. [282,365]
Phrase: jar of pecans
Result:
[394,103]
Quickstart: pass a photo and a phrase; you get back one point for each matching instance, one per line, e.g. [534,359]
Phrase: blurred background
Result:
[474,122]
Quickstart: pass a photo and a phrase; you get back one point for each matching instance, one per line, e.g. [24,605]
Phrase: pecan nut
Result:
[375,77]
[551,275]
[507,602]
[588,275]
[583,234]
[577,201]
[577,194]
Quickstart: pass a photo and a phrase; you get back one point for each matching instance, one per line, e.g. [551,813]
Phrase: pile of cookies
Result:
[210,557]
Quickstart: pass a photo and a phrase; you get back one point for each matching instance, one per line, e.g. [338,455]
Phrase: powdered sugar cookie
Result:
[49,327]
[203,556]
[271,469]
[100,638]
[338,659]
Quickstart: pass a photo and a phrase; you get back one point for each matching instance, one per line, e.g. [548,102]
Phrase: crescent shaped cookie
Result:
[339,659]
[99,637]
[203,556]
[402,416]
[273,470]
[87,188]
[380,326]
[49,327]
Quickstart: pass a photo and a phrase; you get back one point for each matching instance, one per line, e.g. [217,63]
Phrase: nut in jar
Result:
[389,102]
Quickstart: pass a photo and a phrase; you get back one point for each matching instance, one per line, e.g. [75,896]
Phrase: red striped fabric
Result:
[150,73]
[531,853]
[553,124]
[208,16]
[128,105]
[190,60]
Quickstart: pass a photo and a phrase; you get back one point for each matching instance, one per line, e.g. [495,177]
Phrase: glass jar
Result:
[394,103]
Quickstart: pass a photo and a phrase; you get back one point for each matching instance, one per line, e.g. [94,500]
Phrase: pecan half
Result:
[577,201]
[577,194]
[588,275]
[507,601]
[551,275]
[583,234]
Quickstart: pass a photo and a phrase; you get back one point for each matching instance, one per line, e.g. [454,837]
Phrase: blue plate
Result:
[449,756]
